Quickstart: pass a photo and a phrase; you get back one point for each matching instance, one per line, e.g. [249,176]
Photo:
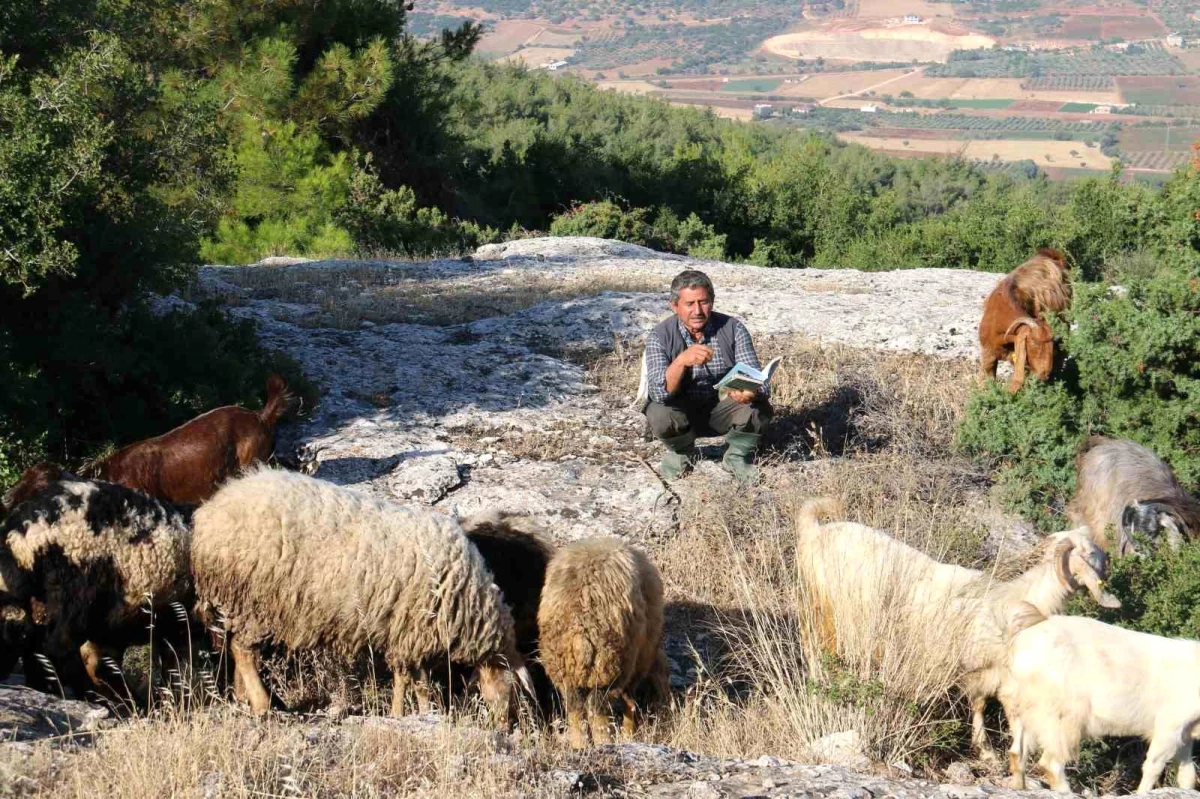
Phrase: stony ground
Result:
[501,411]
[470,384]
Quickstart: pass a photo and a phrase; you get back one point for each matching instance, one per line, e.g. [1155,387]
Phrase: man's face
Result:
[693,308]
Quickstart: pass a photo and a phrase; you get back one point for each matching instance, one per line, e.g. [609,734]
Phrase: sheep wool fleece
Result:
[98,550]
[308,563]
[601,615]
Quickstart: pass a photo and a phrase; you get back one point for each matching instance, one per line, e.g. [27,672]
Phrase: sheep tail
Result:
[808,521]
[279,399]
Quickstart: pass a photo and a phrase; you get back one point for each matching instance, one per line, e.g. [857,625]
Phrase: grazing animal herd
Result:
[228,553]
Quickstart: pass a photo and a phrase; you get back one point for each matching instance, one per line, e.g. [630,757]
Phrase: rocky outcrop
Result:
[498,411]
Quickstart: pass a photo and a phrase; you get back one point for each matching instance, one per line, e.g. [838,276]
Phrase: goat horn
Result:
[1024,321]
[1062,564]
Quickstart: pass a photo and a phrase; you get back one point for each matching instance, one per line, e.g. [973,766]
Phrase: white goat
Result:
[856,573]
[1071,678]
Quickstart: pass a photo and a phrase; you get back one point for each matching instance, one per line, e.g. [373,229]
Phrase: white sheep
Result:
[954,618]
[1070,678]
[307,563]
[95,557]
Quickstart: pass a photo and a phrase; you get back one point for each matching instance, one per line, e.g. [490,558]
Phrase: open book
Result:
[742,377]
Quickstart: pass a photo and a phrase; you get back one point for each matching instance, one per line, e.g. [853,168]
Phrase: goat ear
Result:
[1020,339]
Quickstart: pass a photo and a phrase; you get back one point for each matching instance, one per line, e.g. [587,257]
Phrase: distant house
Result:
[1176,40]
[1101,109]
[763,110]
[869,108]
[554,66]
[802,108]
[912,19]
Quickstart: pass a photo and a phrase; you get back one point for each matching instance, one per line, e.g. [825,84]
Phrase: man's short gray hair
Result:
[691,279]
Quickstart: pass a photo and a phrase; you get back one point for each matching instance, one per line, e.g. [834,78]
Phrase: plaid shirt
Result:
[699,382]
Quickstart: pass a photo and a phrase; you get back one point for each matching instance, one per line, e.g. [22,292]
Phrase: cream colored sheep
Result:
[301,561]
[862,580]
[601,621]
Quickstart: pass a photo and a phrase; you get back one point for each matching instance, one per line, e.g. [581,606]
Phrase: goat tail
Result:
[1042,284]
[279,399]
[1021,615]
[808,520]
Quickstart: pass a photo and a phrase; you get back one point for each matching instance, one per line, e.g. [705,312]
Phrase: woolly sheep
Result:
[1126,485]
[861,578]
[601,622]
[94,557]
[1071,678]
[307,563]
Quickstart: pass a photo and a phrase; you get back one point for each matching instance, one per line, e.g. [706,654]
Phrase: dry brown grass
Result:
[871,429]
[346,296]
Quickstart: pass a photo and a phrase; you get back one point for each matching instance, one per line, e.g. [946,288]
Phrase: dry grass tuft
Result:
[345,296]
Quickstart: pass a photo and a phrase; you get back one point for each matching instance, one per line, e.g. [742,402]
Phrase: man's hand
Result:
[744,396]
[695,355]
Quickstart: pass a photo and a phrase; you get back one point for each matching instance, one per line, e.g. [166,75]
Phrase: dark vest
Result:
[674,342]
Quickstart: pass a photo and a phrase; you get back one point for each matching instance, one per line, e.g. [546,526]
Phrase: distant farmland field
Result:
[1177,140]
[752,85]
[983,104]
[1160,90]
[1078,108]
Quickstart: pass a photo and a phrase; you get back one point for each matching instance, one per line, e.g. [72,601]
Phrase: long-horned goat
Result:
[1013,327]
[955,617]
[93,558]
[1123,484]
[601,622]
[1070,678]
[306,563]
[185,465]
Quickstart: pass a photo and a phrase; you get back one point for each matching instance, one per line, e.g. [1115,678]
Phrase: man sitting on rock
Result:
[687,354]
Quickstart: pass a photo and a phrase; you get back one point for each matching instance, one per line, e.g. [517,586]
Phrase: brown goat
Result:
[1012,327]
[187,464]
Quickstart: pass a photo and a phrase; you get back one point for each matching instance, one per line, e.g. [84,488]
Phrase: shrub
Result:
[1131,370]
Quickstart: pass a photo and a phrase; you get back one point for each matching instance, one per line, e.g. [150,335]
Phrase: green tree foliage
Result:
[1131,369]
[108,177]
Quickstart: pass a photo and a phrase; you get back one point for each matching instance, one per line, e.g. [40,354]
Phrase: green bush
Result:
[1131,369]
[607,220]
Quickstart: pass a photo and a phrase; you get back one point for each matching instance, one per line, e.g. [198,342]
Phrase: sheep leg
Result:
[1163,747]
[1186,776]
[978,736]
[107,678]
[401,683]
[1016,755]
[598,717]
[628,721]
[573,704]
[245,661]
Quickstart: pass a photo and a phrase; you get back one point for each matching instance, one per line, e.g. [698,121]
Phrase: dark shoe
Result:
[682,453]
[740,446]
